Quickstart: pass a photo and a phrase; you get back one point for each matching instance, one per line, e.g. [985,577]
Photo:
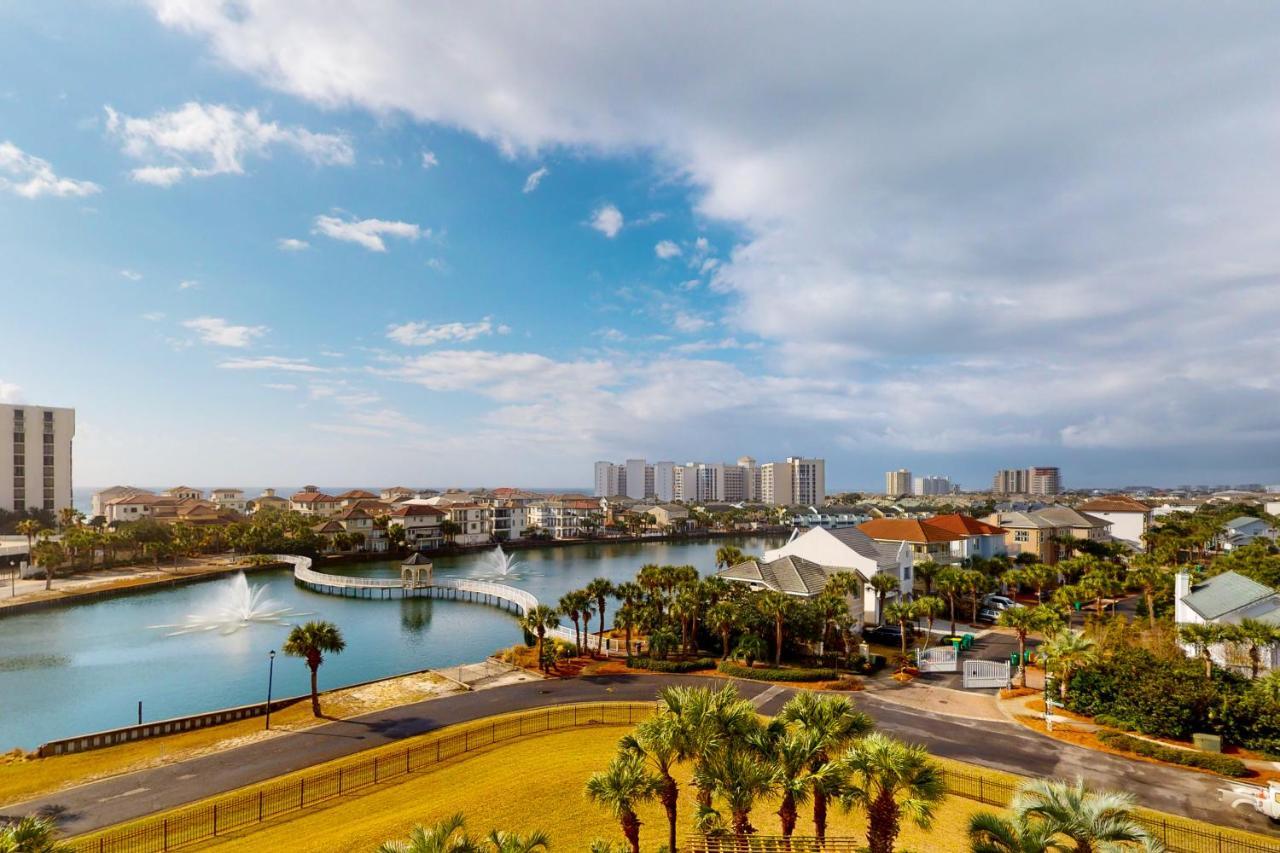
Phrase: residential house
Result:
[312,501]
[184,493]
[98,503]
[353,496]
[232,499]
[668,515]
[268,500]
[1042,532]
[474,520]
[831,516]
[562,517]
[395,494]
[421,523]
[926,541]
[329,530]
[1130,519]
[356,521]
[1228,598]
[848,549]
[510,519]
[1242,530]
[134,507]
[982,540]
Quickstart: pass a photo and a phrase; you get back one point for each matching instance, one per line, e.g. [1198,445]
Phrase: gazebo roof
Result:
[417,560]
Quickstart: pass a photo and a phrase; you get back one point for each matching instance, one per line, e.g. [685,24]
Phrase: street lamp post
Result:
[271,671]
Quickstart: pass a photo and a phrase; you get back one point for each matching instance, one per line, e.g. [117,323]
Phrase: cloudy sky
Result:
[371,242]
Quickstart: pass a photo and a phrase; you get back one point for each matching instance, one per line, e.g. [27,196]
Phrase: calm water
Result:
[84,668]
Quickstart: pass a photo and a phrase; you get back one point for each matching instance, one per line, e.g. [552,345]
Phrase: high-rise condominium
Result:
[35,457]
[897,482]
[1040,480]
[798,480]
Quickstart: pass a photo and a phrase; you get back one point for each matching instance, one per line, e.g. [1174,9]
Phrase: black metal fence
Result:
[238,811]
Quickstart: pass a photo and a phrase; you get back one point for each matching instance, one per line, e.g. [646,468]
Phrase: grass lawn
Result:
[23,778]
[533,783]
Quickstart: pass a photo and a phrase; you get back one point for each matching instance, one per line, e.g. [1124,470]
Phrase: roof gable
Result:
[1225,593]
[907,530]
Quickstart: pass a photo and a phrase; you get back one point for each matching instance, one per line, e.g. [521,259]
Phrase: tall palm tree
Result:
[1256,636]
[501,841]
[975,584]
[312,642]
[927,572]
[991,833]
[625,784]
[930,607]
[447,836]
[658,740]
[30,528]
[900,612]
[728,555]
[537,621]
[951,586]
[1149,574]
[49,554]
[706,722]
[740,777]
[1023,620]
[1092,820]
[571,604]
[1203,637]
[883,583]
[890,780]
[779,607]
[1066,653]
[722,617]
[600,589]
[834,723]
[796,773]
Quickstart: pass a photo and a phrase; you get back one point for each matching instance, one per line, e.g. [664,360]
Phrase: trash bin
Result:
[1013,658]
[967,641]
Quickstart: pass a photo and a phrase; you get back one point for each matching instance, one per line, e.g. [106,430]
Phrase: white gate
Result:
[937,659]
[986,673]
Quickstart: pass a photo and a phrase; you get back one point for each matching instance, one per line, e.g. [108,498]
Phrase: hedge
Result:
[675,666]
[1224,765]
[770,674]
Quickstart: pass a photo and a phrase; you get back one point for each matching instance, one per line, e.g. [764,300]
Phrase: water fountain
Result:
[498,563]
[235,606]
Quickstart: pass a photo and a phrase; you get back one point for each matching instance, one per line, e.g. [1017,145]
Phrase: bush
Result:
[770,674]
[867,665]
[1112,722]
[675,666]
[1165,698]
[1223,765]
[848,682]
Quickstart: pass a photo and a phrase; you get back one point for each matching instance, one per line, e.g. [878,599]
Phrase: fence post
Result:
[302,792]
[260,794]
[215,820]
[375,770]
[493,733]
[437,750]
[166,833]
[340,780]
[981,799]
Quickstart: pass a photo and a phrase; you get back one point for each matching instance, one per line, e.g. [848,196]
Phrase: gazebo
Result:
[414,569]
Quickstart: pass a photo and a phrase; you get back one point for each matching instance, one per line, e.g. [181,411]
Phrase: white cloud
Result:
[189,284]
[425,334]
[607,219]
[271,362]
[429,159]
[535,178]
[131,275]
[10,393]
[666,249]
[342,393]
[292,244]
[367,232]
[198,140]
[689,323]
[30,177]
[217,331]
[153,316]
[280,386]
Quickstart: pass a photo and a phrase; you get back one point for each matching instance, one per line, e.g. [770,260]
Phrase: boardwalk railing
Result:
[239,811]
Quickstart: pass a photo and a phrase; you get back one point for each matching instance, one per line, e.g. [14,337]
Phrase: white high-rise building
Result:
[607,480]
[1044,481]
[898,482]
[664,481]
[931,485]
[776,484]
[35,457]
[809,480]
[639,480]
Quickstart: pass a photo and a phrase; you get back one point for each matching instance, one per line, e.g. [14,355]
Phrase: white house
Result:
[1226,599]
[1244,529]
[1130,519]
[229,499]
[421,524]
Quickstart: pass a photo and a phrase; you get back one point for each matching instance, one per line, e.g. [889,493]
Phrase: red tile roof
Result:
[965,524]
[907,530]
[1114,503]
[312,497]
[416,509]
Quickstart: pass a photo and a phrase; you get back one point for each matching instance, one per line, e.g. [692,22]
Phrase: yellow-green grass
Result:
[23,778]
[533,783]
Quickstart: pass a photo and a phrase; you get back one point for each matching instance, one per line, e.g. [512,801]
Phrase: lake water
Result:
[83,668]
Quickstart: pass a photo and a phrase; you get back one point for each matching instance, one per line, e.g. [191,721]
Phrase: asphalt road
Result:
[1004,746]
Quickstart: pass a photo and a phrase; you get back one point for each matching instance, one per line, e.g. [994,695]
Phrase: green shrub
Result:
[770,674]
[674,666]
[1155,696]
[867,665]
[1223,765]
[1113,722]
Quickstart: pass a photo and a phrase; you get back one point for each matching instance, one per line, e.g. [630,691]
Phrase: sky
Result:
[450,244]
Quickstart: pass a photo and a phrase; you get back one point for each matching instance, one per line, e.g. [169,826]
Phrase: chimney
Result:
[1181,586]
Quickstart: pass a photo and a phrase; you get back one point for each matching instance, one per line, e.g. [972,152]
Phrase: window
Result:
[19,505]
[1021,536]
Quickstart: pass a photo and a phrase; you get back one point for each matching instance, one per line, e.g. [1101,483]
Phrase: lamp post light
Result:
[271,671]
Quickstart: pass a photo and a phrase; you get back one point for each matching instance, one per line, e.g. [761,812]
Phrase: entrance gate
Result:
[937,659]
[985,674]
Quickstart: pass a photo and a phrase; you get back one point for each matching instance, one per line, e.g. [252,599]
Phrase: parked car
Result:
[998,602]
[990,614]
[885,635]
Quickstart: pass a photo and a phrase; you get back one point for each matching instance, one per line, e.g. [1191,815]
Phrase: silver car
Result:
[998,602]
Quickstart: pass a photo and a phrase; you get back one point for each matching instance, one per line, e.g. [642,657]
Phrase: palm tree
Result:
[1256,635]
[883,583]
[740,777]
[627,617]
[926,573]
[706,722]
[49,554]
[951,585]
[1023,620]
[501,841]
[930,607]
[834,722]
[1066,653]
[890,780]
[1148,574]
[1035,575]
[1203,637]
[728,555]
[750,648]
[975,584]
[991,833]
[30,528]
[600,589]
[796,773]
[571,604]
[777,606]
[32,835]
[537,621]
[1092,820]
[722,617]
[620,788]
[312,642]
[900,612]
[447,836]
[660,741]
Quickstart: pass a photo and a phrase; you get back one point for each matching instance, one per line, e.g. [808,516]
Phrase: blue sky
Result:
[257,244]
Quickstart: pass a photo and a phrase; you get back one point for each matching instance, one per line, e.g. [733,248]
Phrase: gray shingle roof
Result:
[884,553]
[1242,521]
[1224,593]
[793,575]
